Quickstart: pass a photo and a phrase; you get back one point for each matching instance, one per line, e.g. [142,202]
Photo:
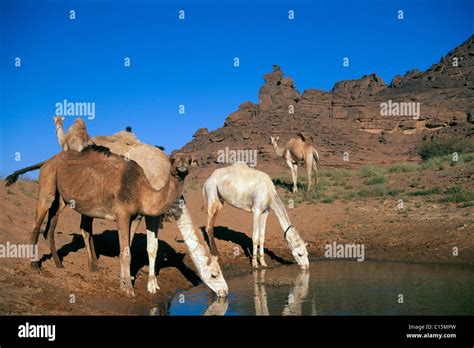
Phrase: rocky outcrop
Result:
[369,120]
[367,86]
[277,92]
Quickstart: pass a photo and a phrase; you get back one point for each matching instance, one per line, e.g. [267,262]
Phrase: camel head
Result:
[58,121]
[298,248]
[180,164]
[212,276]
[79,123]
[273,140]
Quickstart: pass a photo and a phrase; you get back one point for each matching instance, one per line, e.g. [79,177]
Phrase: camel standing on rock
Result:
[99,184]
[297,150]
[251,190]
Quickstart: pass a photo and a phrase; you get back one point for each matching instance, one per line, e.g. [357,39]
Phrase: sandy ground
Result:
[426,231]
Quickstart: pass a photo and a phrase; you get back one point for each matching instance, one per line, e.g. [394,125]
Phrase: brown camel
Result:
[117,190]
[297,150]
[75,139]
[157,168]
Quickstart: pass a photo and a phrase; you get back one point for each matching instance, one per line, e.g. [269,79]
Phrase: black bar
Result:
[350,330]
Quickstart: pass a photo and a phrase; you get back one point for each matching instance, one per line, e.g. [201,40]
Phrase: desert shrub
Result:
[444,146]
[370,171]
[457,194]
[328,199]
[426,192]
[403,168]
[379,179]
[375,191]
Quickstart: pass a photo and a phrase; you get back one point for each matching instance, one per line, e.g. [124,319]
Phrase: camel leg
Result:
[213,210]
[289,163]
[315,168]
[86,230]
[257,216]
[295,171]
[263,223]
[134,228]
[123,223]
[53,217]
[152,225]
[45,201]
[309,169]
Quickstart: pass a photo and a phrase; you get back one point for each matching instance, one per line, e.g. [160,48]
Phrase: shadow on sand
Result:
[107,244]
[241,239]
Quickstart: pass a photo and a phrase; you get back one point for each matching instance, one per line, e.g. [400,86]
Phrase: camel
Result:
[75,139]
[297,150]
[157,169]
[251,190]
[117,190]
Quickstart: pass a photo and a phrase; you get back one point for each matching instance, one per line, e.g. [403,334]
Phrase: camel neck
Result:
[278,150]
[280,211]
[160,201]
[60,134]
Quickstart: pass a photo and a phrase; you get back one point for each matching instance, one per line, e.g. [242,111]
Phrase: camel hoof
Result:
[127,288]
[153,285]
[35,266]
[254,264]
[128,291]
[93,267]
[263,263]
[60,265]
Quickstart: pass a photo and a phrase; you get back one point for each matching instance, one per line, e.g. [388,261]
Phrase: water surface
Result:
[339,288]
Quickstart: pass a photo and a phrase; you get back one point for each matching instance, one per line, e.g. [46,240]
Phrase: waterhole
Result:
[339,288]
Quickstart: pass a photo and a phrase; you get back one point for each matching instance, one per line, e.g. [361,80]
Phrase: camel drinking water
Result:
[251,190]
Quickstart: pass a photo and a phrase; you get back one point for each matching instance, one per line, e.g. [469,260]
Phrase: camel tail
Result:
[12,178]
[316,155]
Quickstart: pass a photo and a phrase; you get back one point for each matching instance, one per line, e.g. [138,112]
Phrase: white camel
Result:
[251,190]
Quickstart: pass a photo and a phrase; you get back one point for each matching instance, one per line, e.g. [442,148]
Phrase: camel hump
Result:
[301,135]
[97,148]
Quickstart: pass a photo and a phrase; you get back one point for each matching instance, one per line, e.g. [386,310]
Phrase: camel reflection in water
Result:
[293,306]
[217,306]
[295,299]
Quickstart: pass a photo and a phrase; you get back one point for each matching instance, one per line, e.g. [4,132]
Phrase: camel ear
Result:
[278,137]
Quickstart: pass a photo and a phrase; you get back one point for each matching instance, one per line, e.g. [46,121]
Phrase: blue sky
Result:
[190,62]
